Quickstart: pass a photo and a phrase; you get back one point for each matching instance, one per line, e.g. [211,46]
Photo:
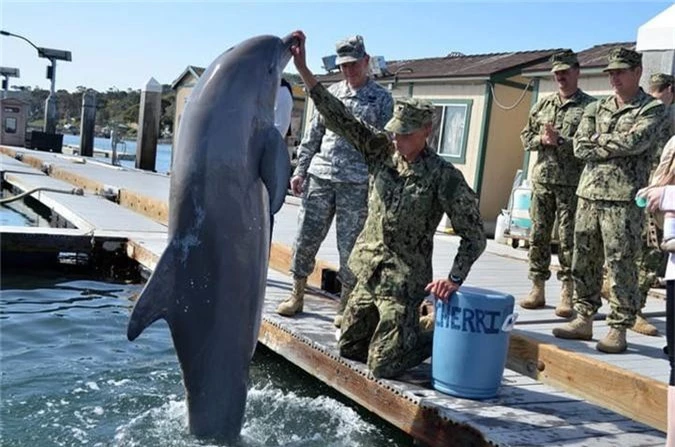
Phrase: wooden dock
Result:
[74,149]
[554,392]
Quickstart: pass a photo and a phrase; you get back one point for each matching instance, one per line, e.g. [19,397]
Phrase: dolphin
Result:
[230,175]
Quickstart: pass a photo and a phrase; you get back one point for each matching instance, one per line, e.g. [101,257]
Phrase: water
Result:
[69,377]
[162,162]
[20,214]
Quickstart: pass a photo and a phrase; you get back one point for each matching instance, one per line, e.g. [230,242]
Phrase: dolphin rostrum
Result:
[230,174]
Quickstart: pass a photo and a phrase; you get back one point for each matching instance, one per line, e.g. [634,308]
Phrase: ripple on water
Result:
[70,377]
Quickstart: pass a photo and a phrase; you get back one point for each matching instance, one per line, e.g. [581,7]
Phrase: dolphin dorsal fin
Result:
[154,301]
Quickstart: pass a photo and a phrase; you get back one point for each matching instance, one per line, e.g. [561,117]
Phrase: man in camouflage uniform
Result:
[616,139]
[333,176]
[549,131]
[410,189]
[652,262]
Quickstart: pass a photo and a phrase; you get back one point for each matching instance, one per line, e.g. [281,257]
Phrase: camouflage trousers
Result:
[549,201]
[607,231]
[384,332]
[323,200]
[652,262]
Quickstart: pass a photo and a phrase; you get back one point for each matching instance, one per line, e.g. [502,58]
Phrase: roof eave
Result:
[547,73]
[427,80]
[189,69]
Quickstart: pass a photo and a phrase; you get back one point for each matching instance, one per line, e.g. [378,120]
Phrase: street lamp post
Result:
[53,55]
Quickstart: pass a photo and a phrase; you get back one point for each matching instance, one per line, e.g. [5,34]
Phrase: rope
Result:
[74,191]
[503,107]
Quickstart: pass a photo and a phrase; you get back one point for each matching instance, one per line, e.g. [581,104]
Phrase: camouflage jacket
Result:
[617,144]
[405,204]
[327,155]
[555,164]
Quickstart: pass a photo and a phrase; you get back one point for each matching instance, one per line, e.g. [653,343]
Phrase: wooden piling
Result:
[87,123]
[148,125]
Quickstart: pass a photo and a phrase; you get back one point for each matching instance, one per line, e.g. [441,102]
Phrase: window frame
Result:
[5,129]
[468,104]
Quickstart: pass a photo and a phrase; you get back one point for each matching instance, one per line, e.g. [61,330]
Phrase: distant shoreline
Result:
[159,140]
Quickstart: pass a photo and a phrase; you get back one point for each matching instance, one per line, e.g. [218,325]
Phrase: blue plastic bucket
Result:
[471,341]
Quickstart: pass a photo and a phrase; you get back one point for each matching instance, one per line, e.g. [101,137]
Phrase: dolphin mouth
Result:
[286,43]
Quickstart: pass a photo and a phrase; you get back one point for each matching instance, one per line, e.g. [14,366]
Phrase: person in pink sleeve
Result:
[663,198]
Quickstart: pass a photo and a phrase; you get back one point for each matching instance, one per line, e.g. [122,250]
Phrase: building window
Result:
[451,129]
[10,125]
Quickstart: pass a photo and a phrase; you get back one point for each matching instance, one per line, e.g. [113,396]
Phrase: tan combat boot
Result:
[536,298]
[427,323]
[293,303]
[581,328]
[564,309]
[427,316]
[614,342]
[344,297]
[642,326]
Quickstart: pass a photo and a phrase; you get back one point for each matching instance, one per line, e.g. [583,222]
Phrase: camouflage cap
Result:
[564,60]
[620,58]
[350,49]
[410,114]
[660,79]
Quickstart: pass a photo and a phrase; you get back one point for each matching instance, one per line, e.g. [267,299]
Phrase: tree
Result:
[112,106]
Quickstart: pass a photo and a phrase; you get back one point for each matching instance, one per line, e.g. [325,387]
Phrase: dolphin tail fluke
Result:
[153,303]
[275,167]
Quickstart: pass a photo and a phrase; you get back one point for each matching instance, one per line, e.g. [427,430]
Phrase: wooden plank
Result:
[586,436]
[44,242]
[86,211]
[58,173]
[141,254]
[637,397]
[423,423]
[43,247]
[155,209]
[522,403]
[648,350]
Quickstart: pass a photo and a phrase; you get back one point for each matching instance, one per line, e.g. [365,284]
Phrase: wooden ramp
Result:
[556,393]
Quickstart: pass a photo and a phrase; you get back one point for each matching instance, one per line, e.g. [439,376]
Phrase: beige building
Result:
[592,80]
[482,102]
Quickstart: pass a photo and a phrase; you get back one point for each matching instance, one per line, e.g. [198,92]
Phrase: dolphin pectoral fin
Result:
[153,303]
[275,168]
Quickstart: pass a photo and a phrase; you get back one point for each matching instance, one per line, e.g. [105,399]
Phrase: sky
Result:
[116,44]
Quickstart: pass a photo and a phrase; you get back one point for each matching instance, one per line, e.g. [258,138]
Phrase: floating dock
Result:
[554,392]
[74,149]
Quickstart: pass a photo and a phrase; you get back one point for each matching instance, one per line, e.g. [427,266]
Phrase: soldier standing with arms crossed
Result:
[616,138]
[549,131]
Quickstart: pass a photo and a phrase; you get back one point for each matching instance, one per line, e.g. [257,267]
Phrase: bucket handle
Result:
[509,322]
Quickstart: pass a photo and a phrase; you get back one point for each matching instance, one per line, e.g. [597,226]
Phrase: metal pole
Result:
[114,139]
[50,104]
[6,89]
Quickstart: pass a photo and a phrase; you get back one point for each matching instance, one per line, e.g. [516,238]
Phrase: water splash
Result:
[70,377]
